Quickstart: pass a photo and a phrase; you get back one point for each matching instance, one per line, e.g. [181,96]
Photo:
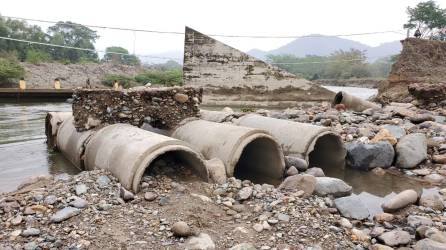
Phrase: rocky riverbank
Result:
[307,210]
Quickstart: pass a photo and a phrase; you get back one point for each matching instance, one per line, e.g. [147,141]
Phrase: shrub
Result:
[124,81]
[170,77]
[37,56]
[10,70]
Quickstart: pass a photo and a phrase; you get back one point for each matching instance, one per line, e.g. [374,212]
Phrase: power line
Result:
[160,57]
[83,49]
[217,35]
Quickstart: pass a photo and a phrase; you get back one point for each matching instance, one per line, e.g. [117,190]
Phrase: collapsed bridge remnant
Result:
[232,77]
[160,107]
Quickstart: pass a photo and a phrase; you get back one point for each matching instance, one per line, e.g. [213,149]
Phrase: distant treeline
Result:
[339,65]
[72,35]
[62,33]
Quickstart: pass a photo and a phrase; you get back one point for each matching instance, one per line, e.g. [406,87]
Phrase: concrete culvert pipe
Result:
[127,152]
[319,146]
[71,143]
[247,153]
[353,103]
[53,120]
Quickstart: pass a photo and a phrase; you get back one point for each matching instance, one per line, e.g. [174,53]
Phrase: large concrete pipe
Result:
[354,103]
[72,143]
[53,120]
[246,152]
[319,146]
[127,152]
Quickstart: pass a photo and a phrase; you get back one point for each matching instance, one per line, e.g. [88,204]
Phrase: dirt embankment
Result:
[421,61]
[42,75]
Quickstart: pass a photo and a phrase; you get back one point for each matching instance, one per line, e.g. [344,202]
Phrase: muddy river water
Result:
[23,151]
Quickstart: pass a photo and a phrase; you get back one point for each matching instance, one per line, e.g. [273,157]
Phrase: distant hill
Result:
[323,46]
[163,57]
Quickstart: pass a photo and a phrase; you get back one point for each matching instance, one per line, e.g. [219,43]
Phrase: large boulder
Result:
[304,182]
[400,200]
[411,150]
[431,198]
[217,170]
[332,186]
[352,207]
[418,220]
[428,244]
[395,238]
[201,242]
[298,163]
[395,131]
[368,156]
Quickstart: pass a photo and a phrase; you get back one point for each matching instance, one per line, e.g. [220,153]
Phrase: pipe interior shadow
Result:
[260,162]
[328,152]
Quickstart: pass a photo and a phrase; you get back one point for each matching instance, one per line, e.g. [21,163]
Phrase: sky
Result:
[231,17]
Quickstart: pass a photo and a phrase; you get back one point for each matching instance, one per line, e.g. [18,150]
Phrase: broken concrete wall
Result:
[212,64]
[420,61]
[160,107]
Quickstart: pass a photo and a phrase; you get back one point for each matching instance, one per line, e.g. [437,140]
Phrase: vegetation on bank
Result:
[10,70]
[339,65]
[166,74]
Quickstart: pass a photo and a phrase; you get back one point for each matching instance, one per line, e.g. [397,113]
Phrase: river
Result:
[23,151]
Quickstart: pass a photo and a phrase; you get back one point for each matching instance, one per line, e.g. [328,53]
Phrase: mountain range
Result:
[325,45]
[300,47]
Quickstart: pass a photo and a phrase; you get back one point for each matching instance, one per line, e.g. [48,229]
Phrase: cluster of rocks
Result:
[92,210]
[160,107]
[400,136]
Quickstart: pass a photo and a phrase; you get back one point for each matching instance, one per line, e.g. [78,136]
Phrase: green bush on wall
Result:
[170,77]
[10,70]
[124,81]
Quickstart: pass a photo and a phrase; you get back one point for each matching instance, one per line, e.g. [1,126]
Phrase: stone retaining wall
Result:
[160,107]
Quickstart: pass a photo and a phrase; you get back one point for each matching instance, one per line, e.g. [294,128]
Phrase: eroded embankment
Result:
[420,61]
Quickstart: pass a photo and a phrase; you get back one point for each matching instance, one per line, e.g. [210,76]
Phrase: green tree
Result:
[36,56]
[10,70]
[310,67]
[428,17]
[21,30]
[74,35]
[347,64]
[121,56]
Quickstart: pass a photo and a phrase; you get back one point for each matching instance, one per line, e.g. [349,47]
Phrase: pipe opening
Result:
[178,165]
[338,98]
[328,152]
[260,162]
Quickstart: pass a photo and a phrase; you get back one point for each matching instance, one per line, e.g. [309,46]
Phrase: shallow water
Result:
[23,151]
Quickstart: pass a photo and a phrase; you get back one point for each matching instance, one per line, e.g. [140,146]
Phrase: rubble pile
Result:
[159,107]
[91,210]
